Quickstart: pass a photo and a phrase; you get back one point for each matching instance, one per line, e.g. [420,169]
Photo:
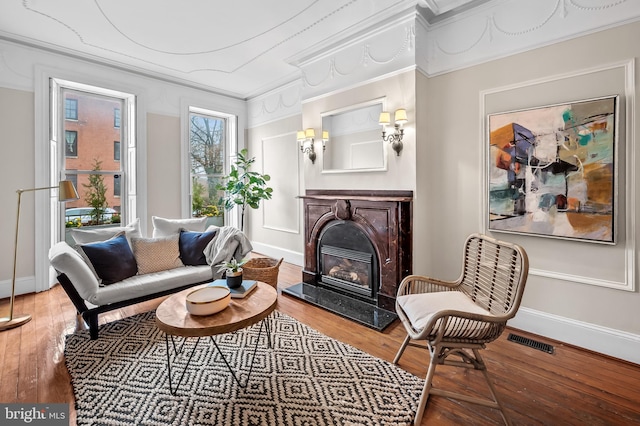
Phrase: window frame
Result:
[127,132]
[47,173]
[236,118]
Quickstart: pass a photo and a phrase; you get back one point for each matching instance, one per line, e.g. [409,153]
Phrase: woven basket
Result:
[262,269]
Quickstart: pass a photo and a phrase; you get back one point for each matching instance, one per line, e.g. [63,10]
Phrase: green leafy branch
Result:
[243,187]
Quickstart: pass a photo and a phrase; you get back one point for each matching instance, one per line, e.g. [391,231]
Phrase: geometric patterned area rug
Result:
[306,378]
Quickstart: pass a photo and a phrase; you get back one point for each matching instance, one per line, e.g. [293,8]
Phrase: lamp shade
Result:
[385,118]
[325,135]
[401,116]
[66,191]
[310,133]
[300,135]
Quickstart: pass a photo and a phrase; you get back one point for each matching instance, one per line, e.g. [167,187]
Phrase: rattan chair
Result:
[457,318]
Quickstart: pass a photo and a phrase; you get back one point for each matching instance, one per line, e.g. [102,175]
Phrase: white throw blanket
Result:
[227,243]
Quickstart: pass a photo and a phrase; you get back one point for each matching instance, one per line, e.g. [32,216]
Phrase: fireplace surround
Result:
[357,250]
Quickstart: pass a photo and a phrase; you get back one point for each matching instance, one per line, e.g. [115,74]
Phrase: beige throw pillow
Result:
[92,235]
[165,227]
[156,254]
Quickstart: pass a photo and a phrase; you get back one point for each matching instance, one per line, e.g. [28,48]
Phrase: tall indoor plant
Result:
[243,187]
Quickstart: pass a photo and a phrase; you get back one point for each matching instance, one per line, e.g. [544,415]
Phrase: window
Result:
[71,143]
[116,185]
[71,109]
[93,157]
[208,135]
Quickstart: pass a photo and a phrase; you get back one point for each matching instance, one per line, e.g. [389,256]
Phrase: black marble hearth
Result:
[356,310]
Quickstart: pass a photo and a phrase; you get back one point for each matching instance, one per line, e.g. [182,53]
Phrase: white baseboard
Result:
[615,343]
[276,252]
[24,285]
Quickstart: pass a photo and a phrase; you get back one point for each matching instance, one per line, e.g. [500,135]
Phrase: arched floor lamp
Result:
[66,192]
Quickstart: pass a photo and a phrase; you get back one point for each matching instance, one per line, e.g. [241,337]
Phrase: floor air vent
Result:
[544,347]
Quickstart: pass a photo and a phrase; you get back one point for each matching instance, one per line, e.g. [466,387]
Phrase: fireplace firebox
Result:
[357,250]
[347,261]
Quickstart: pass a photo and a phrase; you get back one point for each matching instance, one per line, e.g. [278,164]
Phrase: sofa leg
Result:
[92,320]
[81,324]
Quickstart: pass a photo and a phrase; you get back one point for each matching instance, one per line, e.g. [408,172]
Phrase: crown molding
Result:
[277,104]
[354,36]
[500,28]
[96,60]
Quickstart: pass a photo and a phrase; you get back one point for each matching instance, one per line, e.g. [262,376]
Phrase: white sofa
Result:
[159,268]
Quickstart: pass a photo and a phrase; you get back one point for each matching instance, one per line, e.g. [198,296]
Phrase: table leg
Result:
[177,352]
[267,321]
[264,324]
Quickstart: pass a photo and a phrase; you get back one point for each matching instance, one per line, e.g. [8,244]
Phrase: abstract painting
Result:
[552,170]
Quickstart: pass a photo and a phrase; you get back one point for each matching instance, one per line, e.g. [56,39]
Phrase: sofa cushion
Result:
[92,235]
[142,285]
[156,254]
[112,260]
[165,227]
[192,246]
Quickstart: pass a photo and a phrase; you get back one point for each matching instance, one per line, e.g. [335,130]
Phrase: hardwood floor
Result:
[569,387]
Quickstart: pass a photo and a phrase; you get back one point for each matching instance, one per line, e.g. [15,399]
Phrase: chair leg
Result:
[402,348]
[500,407]
[427,386]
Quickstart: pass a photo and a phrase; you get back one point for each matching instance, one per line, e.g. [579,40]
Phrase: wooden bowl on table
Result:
[208,300]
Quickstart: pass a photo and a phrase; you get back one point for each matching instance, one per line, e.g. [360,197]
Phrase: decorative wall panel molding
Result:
[501,28]
[275,105]
[616,78]
[283,212]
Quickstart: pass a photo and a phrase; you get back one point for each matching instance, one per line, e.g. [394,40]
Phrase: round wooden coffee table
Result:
[173,318]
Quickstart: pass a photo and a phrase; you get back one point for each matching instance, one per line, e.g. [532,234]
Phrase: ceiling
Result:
[239,48]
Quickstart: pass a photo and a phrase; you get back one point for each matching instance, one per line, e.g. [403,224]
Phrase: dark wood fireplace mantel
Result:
[384,216]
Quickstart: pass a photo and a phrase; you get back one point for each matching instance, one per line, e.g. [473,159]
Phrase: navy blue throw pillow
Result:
[112,260]
[192,245]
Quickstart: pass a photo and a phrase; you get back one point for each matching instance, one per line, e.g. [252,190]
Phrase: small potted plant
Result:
[233,271]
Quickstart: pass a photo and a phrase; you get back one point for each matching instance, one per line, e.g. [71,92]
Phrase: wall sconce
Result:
[306,139]
[395,136]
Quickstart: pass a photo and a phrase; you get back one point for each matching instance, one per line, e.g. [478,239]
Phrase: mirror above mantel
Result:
[354,139]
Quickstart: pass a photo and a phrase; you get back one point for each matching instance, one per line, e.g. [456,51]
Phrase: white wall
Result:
[398,91]
[562,299]
[443,162]
[276,229]
[158,105]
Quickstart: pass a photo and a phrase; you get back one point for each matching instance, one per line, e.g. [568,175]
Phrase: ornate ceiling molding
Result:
[275,105]
[501,28]
[489,31]
[374,51]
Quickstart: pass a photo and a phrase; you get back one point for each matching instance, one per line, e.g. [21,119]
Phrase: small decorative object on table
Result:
[208,300]
[233,271]
[240,292]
